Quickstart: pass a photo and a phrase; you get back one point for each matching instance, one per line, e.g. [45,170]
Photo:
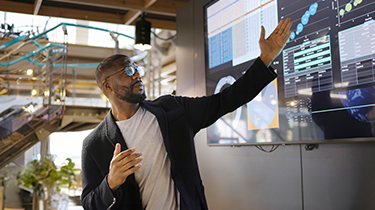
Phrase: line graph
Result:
[354,11]
[312,19]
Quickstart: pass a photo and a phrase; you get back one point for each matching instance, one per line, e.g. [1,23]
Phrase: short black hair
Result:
[106,64]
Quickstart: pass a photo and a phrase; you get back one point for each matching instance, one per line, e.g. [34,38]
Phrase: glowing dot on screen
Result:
[292,35]
[348,7]
[342,12]
[273,102]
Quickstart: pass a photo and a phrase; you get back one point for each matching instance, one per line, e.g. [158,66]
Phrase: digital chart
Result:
[354,11]
[234,27]
[307,67]
[357,54]
[311,18]
[348,7]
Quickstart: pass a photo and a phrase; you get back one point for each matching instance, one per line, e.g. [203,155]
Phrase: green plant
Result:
[39,174]
[67,173]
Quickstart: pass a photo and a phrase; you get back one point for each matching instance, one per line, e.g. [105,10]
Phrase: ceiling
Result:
[161,13]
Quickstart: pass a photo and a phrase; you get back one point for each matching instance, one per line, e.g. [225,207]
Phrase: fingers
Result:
[129,166]
[131,160]
[123,154]
[278,27]
[285,27]
[122,165]
[117,150]
[287,36]
[262,34]
[134,169]
[281,29]
[127,159]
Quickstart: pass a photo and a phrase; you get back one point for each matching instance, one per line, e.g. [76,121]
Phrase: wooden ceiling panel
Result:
[157,23]
[82,14]
[161,13]
[171,5]
[14,6]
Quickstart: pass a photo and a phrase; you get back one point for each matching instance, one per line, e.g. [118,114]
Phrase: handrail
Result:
[26,57]
[13,41]
[16,110]
[82,65]
[79,25]
[31,54]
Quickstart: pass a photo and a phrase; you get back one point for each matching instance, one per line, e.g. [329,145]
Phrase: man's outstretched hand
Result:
[272,46]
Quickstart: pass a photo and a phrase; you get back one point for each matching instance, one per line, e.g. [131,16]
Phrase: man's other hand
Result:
[122,165]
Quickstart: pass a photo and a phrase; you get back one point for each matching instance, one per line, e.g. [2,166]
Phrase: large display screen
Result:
[325,89]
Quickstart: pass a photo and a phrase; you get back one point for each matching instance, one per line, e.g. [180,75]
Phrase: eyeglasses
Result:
[130,71]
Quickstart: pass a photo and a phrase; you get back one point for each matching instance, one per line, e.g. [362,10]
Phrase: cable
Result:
[273,148]
[309,147]
[164,39]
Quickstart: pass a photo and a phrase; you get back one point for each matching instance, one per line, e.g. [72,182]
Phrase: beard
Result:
[126,94]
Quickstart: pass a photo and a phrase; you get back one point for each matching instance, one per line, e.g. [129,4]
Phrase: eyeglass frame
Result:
[127,73]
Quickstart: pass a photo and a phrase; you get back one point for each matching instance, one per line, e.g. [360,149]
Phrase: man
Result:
[142,155]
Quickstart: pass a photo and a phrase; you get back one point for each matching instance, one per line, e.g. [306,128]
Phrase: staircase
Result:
[21,127]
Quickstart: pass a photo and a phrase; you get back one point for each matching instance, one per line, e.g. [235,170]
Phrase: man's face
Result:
[133,94]
[126,88]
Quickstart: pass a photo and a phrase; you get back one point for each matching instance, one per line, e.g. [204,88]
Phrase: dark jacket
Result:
[179,118]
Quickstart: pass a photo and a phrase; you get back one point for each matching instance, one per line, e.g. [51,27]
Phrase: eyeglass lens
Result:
[130,70]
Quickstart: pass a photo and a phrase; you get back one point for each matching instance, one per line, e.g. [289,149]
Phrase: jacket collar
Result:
[113,133]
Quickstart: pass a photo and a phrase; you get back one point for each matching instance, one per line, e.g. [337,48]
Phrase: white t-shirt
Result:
[157,189]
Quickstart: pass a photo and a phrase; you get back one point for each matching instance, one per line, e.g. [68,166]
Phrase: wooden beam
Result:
[131,16]
[162,24]
[173,5]
[37,4]
[149,3]
[81,14]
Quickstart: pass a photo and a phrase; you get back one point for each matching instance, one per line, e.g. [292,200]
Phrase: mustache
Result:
[135,83]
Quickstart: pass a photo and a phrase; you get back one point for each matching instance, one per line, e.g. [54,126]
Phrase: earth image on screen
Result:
[360,103]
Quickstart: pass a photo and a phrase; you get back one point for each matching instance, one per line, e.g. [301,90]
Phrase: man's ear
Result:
[106,86]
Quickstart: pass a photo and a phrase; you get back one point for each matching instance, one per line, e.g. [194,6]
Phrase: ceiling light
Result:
[3,90]
[29,72]
[34,92]
[46,93]
[142,34]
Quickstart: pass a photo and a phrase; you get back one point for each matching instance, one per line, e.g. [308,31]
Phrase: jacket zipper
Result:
[113,203]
